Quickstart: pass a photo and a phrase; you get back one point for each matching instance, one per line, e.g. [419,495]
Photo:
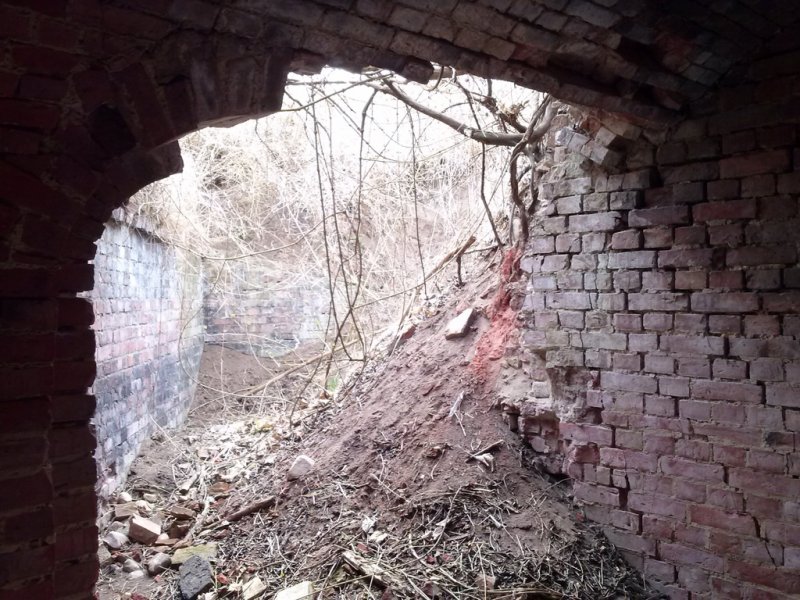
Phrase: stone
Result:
[253,589]
[301,591]
[195,577]
[458,327]
[207,551]
[137,574]
[301,467]
[125,497]
[367,524]
[125,511]
[181,513]
[115,540]
[130,565]
[485,582]
[144,531]
[158,563]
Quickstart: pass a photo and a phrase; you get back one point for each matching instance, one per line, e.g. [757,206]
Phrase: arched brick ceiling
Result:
[642,59]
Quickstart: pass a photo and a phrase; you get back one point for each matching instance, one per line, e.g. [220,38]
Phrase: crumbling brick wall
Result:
[147,300]
[95,93]
[662,332]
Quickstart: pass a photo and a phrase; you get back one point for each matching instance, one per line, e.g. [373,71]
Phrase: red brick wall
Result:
[92,95]
[148,304]
[663,309]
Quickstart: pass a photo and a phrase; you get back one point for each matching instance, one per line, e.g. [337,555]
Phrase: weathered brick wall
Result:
[93,95]
[662,327]
[256,313]
[147,300]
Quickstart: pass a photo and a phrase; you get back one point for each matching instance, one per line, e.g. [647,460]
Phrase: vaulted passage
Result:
[659,311]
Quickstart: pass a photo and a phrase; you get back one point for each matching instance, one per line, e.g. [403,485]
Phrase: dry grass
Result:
[351,188]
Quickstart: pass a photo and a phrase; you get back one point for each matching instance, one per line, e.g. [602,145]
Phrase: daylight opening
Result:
[309,364]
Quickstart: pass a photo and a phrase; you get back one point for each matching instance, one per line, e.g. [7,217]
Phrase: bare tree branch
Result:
[484,137]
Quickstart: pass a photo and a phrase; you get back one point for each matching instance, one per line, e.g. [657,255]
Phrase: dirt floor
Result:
[418,488]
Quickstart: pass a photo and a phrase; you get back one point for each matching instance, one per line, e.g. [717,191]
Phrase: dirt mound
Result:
[419,488]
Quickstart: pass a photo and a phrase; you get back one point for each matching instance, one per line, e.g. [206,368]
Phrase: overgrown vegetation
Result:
[376,187]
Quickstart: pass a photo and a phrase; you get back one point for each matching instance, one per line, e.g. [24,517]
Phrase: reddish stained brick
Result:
[658,237]
[700,257]
[42,88]
[709,516]
[733,209]
[782,302]
[751,480]
[690,236]
[75,408]
[29,113]
[722,189]
[76,577]
[75,543]
[690,469]
[786,580]
[44,61]
[28,563]
[649,503]
[755,163]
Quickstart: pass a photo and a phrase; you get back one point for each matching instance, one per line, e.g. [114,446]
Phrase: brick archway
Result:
[93,95]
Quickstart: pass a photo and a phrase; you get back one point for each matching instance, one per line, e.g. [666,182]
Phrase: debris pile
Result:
[411,487]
